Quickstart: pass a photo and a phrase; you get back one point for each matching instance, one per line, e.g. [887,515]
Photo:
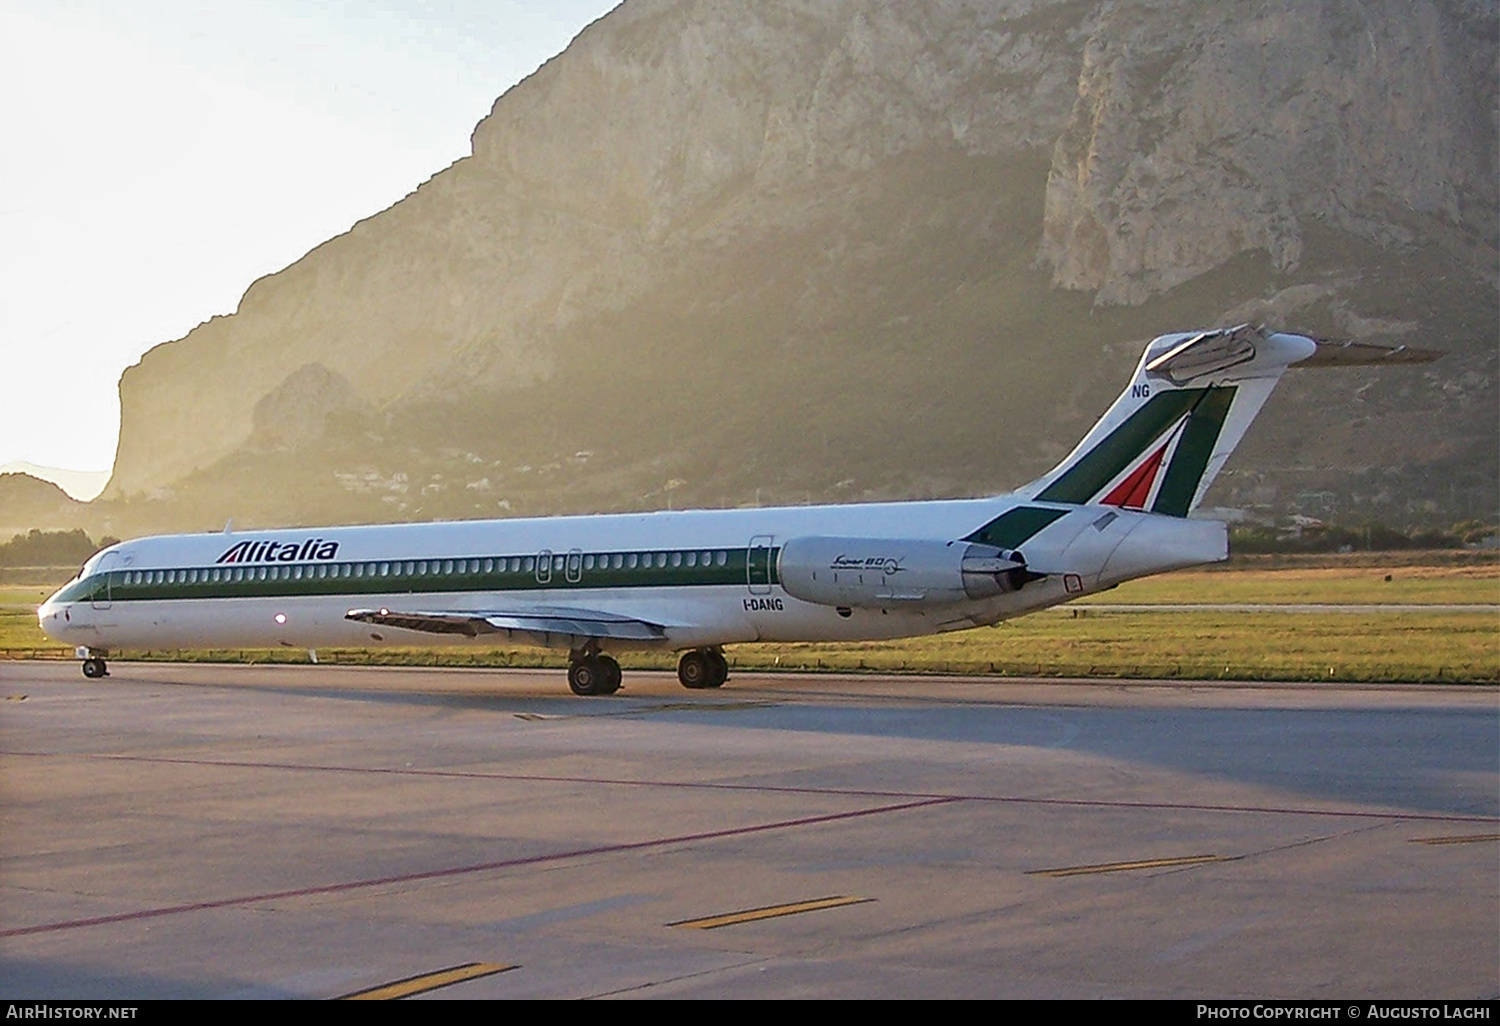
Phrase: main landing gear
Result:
[702,668]
[593,673]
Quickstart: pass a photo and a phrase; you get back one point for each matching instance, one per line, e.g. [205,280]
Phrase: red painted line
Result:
[830,792]
[438,874]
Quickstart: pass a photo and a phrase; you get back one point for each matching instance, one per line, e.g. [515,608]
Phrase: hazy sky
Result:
[158,156]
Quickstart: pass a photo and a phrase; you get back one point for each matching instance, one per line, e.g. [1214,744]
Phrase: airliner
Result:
[694,581]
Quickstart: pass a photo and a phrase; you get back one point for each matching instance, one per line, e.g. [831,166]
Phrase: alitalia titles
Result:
[283,552]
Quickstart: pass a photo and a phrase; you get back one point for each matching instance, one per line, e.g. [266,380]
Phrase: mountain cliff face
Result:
[718,253]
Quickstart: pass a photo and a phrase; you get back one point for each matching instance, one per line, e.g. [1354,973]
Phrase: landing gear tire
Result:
[594,675]
[610,670]
[701,669]
[693,670]
[94,668]
[720,668]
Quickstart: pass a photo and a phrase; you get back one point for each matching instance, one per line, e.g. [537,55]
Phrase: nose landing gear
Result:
[94,666]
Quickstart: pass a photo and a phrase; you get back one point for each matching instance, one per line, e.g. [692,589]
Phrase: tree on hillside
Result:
[51,548]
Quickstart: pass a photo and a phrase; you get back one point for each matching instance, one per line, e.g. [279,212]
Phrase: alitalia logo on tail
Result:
[1155,459]
[285,552]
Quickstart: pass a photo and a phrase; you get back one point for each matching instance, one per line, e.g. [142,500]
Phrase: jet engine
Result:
[878,572]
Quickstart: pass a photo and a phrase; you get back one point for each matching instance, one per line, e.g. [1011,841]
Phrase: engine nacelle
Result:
[895,571]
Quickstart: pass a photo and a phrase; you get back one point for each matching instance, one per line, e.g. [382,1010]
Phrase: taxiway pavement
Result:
[318,831]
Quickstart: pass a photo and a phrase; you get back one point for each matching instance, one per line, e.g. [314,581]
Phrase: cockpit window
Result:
[89,565]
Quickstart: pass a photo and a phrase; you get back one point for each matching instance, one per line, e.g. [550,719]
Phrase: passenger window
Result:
[632,559]
[530,563]
[721,557]
[676,559]
[489,566]
[588,562]
[692,559]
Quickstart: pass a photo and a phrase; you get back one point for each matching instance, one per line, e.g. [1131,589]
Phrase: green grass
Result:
[1200,646]
[1425,585]
[1398,646]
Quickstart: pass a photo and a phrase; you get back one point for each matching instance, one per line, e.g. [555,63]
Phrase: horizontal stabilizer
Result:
[1341,353]
[1207,352]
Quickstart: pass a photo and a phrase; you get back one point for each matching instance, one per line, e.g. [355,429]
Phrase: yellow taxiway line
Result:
[1461,839]
[1125,867]
[427,981]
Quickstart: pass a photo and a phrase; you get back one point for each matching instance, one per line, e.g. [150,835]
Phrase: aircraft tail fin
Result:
[1190,401]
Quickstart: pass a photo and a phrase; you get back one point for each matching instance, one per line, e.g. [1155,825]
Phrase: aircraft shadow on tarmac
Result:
[1419,758]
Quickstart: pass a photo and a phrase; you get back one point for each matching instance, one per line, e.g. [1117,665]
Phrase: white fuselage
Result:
[707,577]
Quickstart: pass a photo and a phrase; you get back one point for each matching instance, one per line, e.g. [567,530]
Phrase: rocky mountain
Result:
[719,253]
[26,501]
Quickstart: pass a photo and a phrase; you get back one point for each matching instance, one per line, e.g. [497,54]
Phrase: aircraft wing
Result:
[550,625]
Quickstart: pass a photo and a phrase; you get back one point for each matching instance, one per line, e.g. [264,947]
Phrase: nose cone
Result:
[54,618]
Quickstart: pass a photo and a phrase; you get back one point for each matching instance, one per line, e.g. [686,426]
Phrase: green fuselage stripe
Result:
[392,576]
[1015,527]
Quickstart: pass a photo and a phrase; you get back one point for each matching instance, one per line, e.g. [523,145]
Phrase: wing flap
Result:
[552,625]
